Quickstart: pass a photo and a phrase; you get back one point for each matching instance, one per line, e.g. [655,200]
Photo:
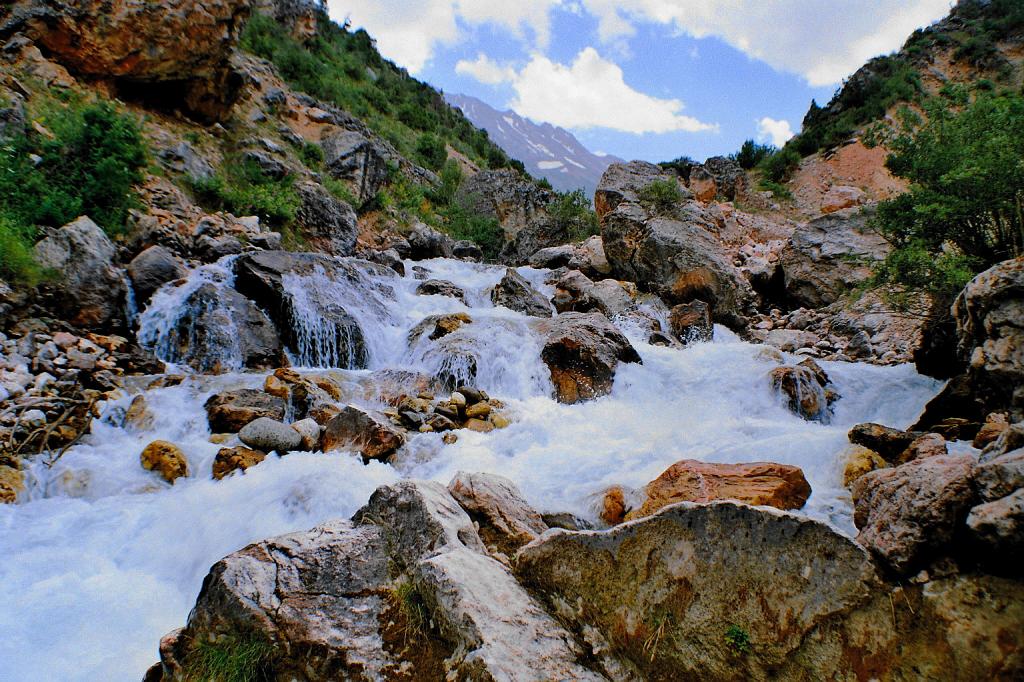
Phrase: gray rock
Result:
[267,165]
[90,290]
[210,249]
[426,242]
[368,433]
[622,182]
[574,291]
[506,521]
[151,269]
[12,115]
[553,257]
[830,255]
[467,250]
[998,527]
[183,158]
[999,476]
[270,435]
[327,222]
[351,156]
[583,352]
[309,432]
[440,287]
[515,293]
[230,411]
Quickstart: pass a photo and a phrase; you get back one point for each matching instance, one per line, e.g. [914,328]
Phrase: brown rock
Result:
[228,412]
[840,197]
[235,459]
[805,388]
[12,483]
[139,417]
[691,322]
[927,445]
[988,433]
[613,506]
[908,514]
[479,425]
[887,442]
[859,461]
[372,436]
[438,326]
[759,483]
[506,521]
[583,351]
[166,459]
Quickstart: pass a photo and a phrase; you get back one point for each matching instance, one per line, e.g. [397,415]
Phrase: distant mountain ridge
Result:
[546,150]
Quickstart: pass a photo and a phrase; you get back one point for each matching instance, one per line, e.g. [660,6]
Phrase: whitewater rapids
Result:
[101,558]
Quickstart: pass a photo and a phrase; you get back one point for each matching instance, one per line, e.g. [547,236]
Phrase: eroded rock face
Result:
[328,222]
[350,155]
[181,44]
[583,351]
[911,513]
[829,255]
[506,520]
[673,623]
[90,291]
[758,483]
[515,293]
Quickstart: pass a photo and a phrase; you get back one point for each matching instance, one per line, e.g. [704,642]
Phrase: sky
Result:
[647,79]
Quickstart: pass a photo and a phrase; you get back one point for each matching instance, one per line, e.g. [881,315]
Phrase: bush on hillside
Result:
[243,190]
[751,154]
[778,167]
[963,212]
[431,151]
[571,212]
[661,195]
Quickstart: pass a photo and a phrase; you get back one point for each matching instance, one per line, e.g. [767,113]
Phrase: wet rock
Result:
[859,460]
[438,326]
[583,352]
[90,290]
[806,388]
[233,459]
[887,442]
[166,459]
[309,431]
[791,340]
[328,222]
[926,445]
[351,156]
[370,435]
[674,622]
[758,483]
[230,411]
[426,242]
[151,269]
[691,322]
[440,287]
[828,256]
[574,291]
[270,435]
[997,527]
[12,483]
[505,520]
[223,327]
[909,514]
[515,293]
[139,417]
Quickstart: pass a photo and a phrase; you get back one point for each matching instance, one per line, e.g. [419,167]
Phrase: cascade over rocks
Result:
[807,389]
[90,290]
[583,351]
[676,255]
[440,287]
[151,269]
[515,293]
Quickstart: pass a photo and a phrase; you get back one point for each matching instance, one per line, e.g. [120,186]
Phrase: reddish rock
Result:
[583,352]
[927,445]
[758,483]
[353,428]
[235,459]
[908,514]
[613,506]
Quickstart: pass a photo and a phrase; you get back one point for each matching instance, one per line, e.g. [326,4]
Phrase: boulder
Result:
[309,431]
[235,459]
[583,352]
[839,197]
[515,293]
[313,324]
[691,322]
[758,483]
[166,459]
[574,291]
[12,484]
[183,158]
[229,411]
[622,182]
[326,221]
[151,269]
[182,51]
[806,388]
[925,445]
[702,184]
[467,250]
[859,460]
[504,519]
[910,514]
[222,331]
[351,156]
[370,435]
[438,326]
[590,259]
[426,242]
[1000,475]
[552,257]
[506,196]
[654,591]
[89,290]
[440,287]
[997,527]
[270,435]
[990,337]
[887,442]
[828,256]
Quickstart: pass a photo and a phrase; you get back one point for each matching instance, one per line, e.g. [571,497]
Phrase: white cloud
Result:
[776,132]
[822,40]
[485,70]
[589,93]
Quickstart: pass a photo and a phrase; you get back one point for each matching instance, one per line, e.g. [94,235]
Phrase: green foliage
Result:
[451,178]
[230,659]
[572,212]
[680,166]
[311,154]
[778,167]
[461,222]
[413,609]
[751,154]
[778,190]
[343,67]
[963,211]
[16,262]
[431,152]
[243,190]
[737,640]
[661,195]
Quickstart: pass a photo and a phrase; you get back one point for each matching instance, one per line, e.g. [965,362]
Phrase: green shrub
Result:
[572,213]
[451,177]
[680,166]
[751,154]
[312,155]
[16,262]
[778,167]
[661,195]
[461,222]
[230,659]
[243,190]
[737,640]
[778,190]
[431,151]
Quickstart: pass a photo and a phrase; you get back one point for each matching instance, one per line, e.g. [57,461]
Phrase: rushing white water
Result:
[101,558]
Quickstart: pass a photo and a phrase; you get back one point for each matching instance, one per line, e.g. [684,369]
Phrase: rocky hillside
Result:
[547,151]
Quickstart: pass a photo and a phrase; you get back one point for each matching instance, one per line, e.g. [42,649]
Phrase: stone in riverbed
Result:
[235,459]
[691,322]
[807,390]
[270,435]
[506,521]
[859,460]
[309,431]
[887,442]
[440,287]
[758,483]
[151,269]
[583,352]
[12,483]
[166,459]
[515,293]
[228,412]
[353,428]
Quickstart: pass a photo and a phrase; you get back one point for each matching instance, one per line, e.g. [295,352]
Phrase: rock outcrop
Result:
[505,520]
[515,293]
[350,155]
[583,352]
[151,269]
[327,222]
